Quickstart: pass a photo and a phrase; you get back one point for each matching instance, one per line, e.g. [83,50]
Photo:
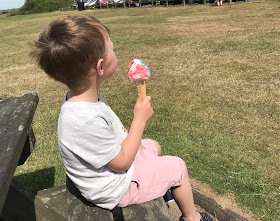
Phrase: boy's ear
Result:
[99,67]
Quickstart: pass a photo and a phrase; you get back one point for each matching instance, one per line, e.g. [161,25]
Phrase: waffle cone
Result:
[141,86]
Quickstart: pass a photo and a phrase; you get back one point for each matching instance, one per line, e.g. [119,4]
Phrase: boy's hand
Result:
[143,110]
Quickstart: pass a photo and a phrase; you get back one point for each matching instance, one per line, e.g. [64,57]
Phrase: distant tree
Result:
[37,6]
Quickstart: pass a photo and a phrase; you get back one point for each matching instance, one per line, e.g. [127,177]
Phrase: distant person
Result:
[109,165]
[219,2]
[81,5]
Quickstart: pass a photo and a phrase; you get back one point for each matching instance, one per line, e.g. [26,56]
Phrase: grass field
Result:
[215,90]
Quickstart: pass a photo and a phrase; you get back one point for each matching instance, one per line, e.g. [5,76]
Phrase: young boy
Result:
[110,166]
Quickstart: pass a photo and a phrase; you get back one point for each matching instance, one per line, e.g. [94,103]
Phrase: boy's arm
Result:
[142,113]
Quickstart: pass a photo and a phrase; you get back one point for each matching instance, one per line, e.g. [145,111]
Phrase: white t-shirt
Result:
[89,137]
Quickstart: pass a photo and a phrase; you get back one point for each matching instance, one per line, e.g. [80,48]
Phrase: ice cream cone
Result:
[141,86]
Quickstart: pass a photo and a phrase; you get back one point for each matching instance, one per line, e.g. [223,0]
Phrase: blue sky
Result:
[9,4]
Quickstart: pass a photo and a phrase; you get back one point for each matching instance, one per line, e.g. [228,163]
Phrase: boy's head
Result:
[69,47]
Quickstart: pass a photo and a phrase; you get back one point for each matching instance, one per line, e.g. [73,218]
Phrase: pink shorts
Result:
[153,175]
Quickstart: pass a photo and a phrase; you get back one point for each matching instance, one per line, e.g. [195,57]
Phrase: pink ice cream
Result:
[139,73]
[138,70]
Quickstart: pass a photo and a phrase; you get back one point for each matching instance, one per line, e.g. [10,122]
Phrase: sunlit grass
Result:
[215,90]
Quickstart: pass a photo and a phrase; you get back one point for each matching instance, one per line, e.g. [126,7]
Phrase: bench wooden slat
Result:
[16,114]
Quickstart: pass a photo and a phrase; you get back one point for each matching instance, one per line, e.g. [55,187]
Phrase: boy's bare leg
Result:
[184,199]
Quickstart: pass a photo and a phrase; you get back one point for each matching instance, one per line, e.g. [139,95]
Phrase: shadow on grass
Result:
[38,180]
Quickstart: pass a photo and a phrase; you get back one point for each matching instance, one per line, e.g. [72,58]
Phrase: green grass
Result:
[215,91]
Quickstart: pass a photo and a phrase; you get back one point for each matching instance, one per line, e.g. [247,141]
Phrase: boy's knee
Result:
[184,168]
[158,147]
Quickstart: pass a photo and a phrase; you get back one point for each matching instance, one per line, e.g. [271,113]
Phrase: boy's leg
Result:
[153,175]
[182,194]
[184,199]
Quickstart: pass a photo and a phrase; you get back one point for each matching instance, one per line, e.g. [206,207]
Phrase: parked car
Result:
[104,3]
[186,1]
[118,3]
[74,6]
[144,2]
[173,2]
[196,1]
[91,3]
[201,1]
[131,2]
[87,4]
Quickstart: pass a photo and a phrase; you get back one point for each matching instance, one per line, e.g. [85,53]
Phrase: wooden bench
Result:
[17,139]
